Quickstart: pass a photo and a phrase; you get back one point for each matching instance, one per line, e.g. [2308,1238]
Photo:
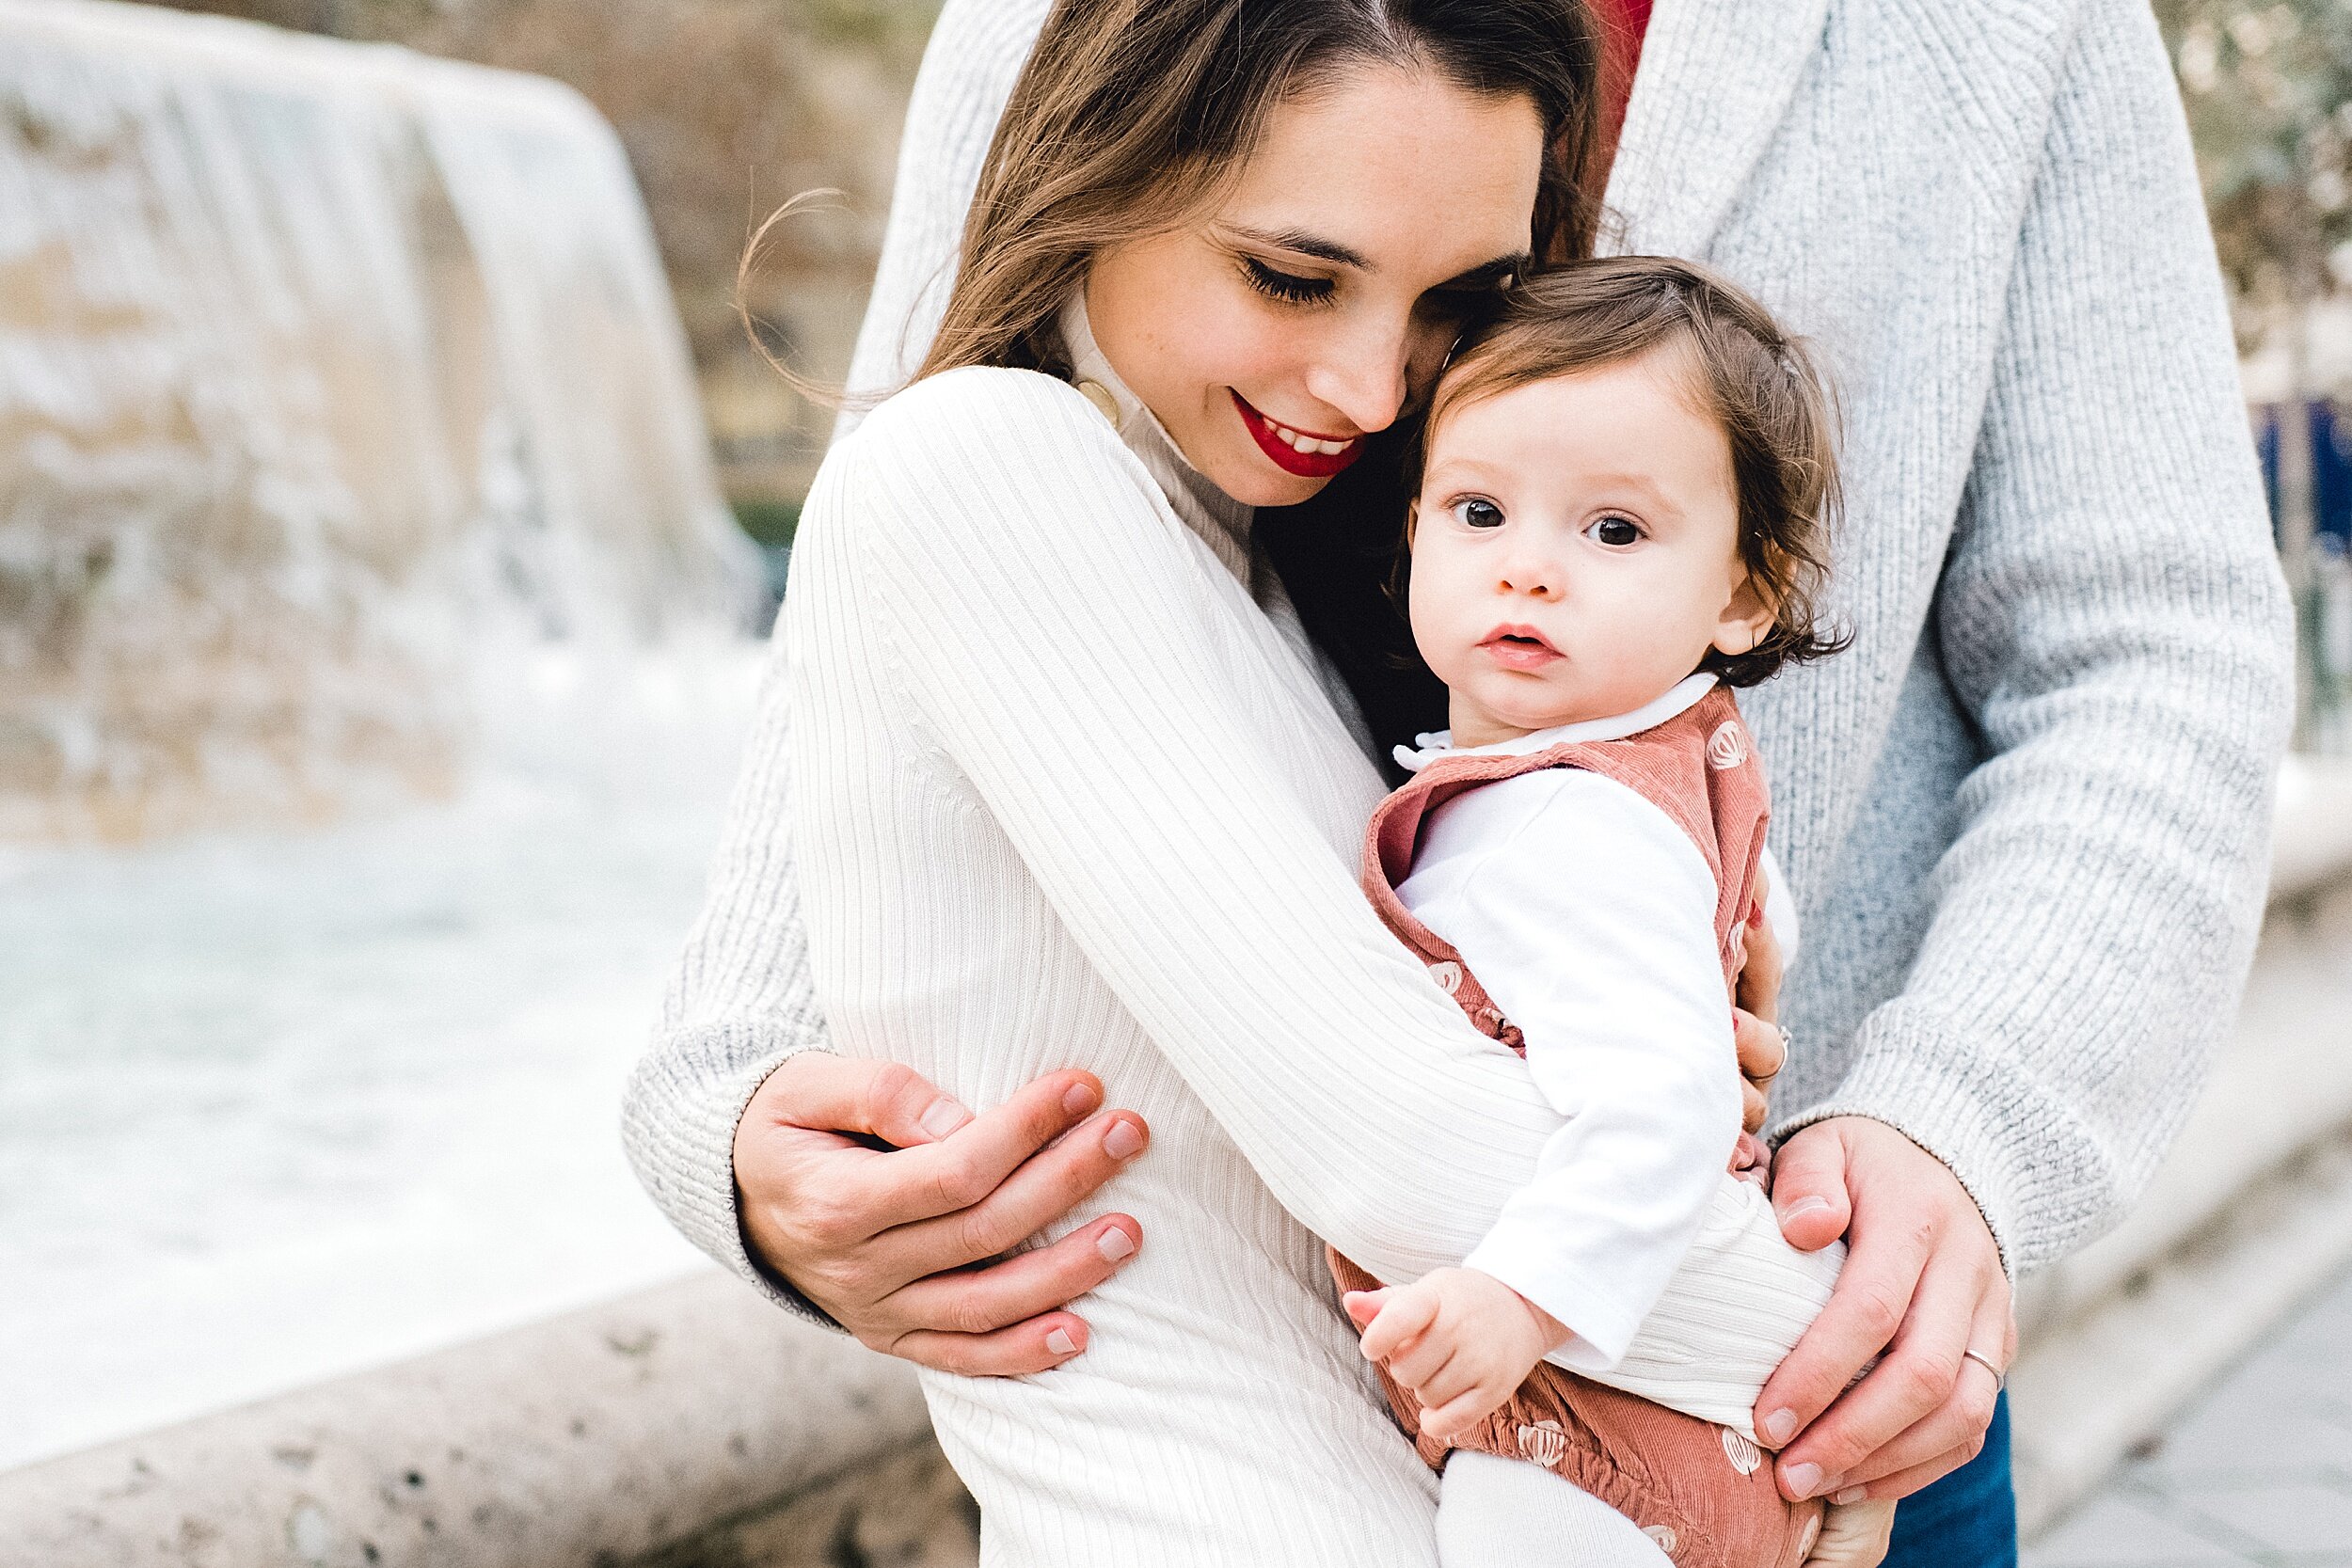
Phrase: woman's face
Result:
[1321,289]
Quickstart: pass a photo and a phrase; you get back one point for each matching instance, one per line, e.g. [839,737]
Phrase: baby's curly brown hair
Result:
[1757,381]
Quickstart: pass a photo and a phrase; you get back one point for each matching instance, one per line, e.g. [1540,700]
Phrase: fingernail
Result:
[1804,1479]
[1080,1098]
[1113,1244]
[1851,1495]
[1061,1343]
[1778,1427]
[1803,1207]
[943,1118]
[1124,1141]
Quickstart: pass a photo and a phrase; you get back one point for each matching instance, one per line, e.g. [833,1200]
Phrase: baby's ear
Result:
[1746,617]
[1412,520]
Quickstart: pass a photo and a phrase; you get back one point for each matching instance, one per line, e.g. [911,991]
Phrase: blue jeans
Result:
[1966,1520]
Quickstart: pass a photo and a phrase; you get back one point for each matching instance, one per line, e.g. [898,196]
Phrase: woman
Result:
[2101,672]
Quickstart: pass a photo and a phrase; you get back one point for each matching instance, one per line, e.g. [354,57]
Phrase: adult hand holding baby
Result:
[873,1194]
[1923,1284]
[1763,1049]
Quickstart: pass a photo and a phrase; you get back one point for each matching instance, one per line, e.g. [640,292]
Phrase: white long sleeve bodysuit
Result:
[1588,917]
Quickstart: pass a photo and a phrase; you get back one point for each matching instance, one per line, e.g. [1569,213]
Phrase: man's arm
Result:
[2113,619]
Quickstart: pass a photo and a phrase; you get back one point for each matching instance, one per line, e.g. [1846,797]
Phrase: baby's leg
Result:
[1505,1511]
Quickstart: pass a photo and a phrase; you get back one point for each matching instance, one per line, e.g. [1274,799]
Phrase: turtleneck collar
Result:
[1222,522]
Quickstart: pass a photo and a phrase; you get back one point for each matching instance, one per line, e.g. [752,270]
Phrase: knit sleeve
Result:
[740,1003]
[2113,620]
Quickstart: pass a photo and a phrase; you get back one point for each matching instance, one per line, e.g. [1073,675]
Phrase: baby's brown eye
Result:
[1619,531]
[1478,512]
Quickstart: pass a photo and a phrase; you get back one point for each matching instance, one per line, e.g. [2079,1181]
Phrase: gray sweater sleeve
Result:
[2112,618]
[740,1004]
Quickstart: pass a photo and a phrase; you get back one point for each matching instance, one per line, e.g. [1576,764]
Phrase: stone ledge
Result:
[609,1437]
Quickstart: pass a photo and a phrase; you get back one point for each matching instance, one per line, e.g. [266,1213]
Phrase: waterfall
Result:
[330,376]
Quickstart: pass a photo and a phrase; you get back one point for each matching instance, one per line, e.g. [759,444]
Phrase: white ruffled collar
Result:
[1684,696]
[1220,520]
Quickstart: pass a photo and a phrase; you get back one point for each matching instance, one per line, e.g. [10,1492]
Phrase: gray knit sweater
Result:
[2026,814]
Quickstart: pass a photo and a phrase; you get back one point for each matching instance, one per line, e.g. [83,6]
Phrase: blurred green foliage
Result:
[770,522]
[2268,87]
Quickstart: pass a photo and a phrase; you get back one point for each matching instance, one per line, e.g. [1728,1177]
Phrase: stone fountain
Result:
[324,369]
[372,658]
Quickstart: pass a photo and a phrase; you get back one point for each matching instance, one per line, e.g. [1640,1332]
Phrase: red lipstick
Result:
[1306,464]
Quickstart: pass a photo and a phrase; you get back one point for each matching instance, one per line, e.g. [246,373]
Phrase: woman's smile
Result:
[1299,451]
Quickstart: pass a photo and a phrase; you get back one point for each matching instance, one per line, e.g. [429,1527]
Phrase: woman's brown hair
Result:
[1753,379]
[1130,113]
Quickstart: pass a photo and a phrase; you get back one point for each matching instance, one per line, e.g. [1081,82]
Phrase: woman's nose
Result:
[1362,376]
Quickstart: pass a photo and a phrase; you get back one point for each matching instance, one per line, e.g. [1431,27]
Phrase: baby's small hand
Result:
[1853,1535]
[1461,1341]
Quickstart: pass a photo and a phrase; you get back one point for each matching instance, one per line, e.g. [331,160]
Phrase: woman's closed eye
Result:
[1615,532]
[1287,287]
[1477,512]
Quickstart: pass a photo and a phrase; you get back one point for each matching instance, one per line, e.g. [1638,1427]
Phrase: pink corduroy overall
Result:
[1703,1492]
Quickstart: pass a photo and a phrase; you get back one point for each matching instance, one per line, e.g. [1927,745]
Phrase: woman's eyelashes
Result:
[1288,287]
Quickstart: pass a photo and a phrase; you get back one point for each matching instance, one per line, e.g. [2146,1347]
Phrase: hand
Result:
[1461,1341]
[1853,1535]
[1763,1049]
[1922,1283]
[883,1238]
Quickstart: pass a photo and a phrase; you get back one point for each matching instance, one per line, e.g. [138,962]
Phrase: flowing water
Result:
[315,361]
[371,671]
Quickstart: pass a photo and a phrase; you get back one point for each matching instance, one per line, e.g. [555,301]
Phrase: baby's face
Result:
[1575,549]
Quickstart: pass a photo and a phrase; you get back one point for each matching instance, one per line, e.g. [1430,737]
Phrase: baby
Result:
[1622,510]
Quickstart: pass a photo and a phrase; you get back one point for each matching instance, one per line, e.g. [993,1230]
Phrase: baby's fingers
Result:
[1464,1375]
[1363,1305]
[1423,1360]
[1454,1416]
[1404,1316]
